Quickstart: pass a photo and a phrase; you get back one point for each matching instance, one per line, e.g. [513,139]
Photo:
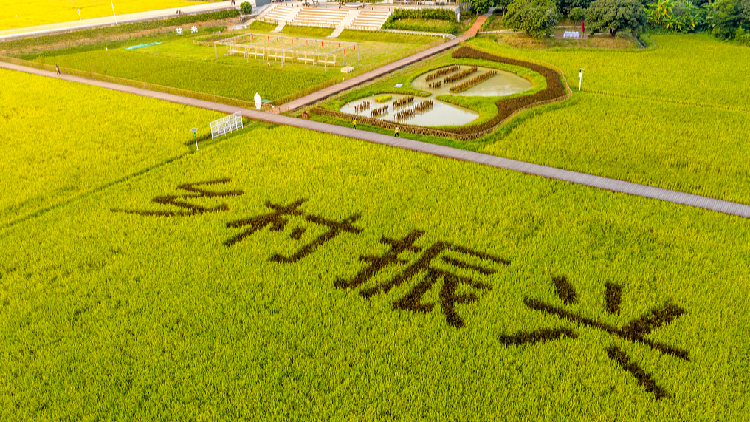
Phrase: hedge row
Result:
[440,14]
[398,14]
[556,90]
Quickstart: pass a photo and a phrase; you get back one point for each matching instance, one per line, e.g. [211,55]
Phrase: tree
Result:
[502,5]
[481,6]
[727,16]
[566,6]
[616,16]
[246,7]
[577,14]
[535,17]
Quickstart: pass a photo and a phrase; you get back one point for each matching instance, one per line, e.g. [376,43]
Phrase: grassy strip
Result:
[179,63]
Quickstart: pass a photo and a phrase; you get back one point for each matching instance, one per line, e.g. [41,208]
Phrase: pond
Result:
[433,112]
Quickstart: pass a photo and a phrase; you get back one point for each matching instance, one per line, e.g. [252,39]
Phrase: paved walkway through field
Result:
[54,28]
[443,151]
[358,80]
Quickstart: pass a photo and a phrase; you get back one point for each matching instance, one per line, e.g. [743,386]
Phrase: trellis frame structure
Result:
[227,125]
[296,52]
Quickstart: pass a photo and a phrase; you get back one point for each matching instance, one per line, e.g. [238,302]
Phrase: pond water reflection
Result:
[442,113]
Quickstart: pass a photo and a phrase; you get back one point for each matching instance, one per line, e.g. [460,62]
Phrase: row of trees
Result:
[538,17]
[724,18]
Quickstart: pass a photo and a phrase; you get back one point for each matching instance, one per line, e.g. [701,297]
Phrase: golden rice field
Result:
[23,13]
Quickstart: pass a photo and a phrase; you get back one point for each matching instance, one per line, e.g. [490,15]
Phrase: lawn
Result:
[22,13]
[179,62]
[386,285]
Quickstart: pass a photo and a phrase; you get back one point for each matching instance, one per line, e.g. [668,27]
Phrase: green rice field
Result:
[180,63]
[280,274]
[665,116]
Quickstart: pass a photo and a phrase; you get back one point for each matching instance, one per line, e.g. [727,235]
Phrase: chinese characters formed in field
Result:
[425,266]
[278,219]
[181,201]
[634,331]
[453,273]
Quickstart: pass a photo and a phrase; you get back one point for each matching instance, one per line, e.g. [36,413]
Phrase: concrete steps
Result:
[350,17]
[370,20]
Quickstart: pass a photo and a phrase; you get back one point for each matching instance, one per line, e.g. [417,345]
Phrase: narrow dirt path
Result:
[614,185]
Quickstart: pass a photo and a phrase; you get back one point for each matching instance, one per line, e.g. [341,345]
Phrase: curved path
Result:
[443,151]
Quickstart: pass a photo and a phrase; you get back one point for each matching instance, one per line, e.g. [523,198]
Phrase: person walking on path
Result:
[395,133]
[354,123]
[57,68]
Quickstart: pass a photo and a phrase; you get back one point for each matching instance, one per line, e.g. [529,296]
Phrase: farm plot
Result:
[311,274]
[645,129]
[672,71]
[179,62]
[647,117]
[22,13]
[65,139]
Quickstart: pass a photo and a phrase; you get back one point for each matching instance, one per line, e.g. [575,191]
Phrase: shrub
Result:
[577,14]
[567,6]
[727,16]
[398,14]
[616,16]
[246,8]
[481,6]
[535,17]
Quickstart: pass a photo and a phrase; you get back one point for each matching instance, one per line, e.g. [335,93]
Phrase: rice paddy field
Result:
[179,62]
[281,274]
[665,116]
[23,13]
